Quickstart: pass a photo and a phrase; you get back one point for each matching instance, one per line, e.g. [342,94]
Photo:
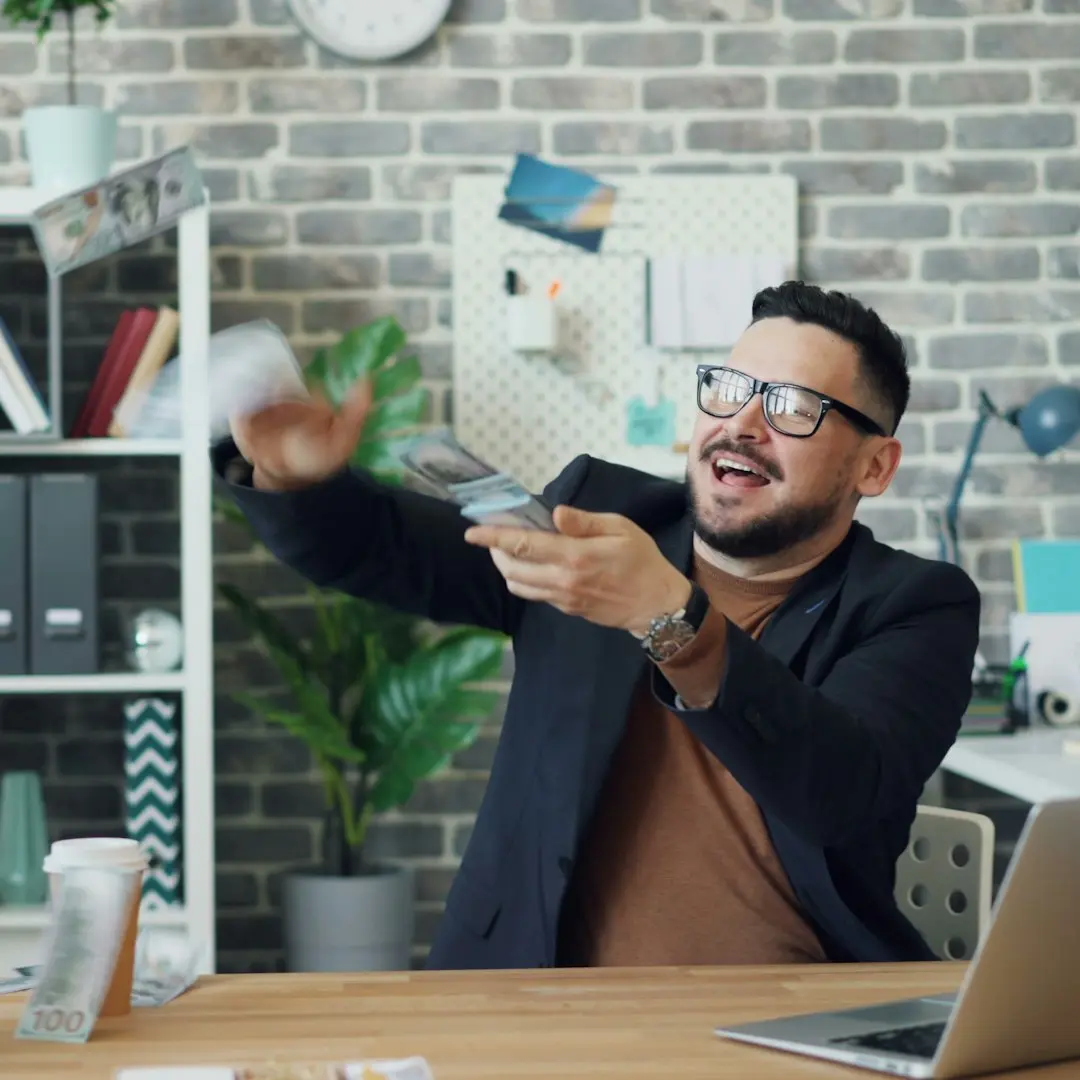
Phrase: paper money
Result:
[119,211]
[166,966]
[15,984]
[82,944]
[484,493]
[414,1068]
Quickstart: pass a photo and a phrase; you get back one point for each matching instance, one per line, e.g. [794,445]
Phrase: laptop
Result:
[1019,1003]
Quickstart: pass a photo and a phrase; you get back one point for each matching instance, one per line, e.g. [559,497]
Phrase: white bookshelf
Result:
[22,928]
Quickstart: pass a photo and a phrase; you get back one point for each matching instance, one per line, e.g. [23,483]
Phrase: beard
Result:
[765,536]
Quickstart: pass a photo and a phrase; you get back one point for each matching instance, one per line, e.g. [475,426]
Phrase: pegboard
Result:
[530,413]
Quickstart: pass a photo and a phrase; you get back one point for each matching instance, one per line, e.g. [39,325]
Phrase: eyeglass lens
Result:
[788,408]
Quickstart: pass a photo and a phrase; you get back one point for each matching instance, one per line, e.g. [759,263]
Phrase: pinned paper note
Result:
[650,425]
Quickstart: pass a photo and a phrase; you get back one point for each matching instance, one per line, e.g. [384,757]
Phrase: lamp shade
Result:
[1050,419]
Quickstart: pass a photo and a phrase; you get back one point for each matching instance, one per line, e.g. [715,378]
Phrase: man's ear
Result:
[878,465]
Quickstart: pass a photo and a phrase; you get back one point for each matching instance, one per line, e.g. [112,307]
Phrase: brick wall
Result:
[936,147]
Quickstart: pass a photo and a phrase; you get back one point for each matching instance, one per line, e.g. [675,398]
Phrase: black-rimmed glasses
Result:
[790,409]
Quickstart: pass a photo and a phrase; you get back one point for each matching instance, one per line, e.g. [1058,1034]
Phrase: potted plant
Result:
[70,145]
[382,700]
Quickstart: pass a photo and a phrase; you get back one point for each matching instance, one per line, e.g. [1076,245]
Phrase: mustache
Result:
[726,446]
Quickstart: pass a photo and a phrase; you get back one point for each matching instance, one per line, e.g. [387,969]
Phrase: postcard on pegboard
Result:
[559,202]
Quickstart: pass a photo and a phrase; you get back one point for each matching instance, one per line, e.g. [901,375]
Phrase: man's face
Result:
[801,486]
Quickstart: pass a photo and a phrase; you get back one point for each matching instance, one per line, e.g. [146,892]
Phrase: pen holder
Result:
[532,323]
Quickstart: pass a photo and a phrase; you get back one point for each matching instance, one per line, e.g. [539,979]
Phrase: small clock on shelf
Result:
[370,29]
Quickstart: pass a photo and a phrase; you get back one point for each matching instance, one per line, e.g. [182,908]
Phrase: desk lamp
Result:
[1046,423]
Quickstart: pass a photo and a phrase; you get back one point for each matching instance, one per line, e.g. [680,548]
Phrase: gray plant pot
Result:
[362,923]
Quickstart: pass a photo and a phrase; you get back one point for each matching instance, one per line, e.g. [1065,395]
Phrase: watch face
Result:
[370,29]
[669,639]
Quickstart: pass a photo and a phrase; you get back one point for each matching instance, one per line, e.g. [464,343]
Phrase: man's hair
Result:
[882,356]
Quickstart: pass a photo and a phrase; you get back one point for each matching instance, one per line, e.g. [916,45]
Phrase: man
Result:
[728,696]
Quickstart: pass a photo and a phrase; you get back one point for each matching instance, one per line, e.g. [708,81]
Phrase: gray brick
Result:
[889,524]
[902,308]
[178,98]
[843,9]
[236,141]
[436,359]
[419,270]
[1060,85]
[951,435]
[952,88]
[892,46]
[1048,305]
[1068,348]
[960,177]
[837,91]
[881,133]
[903,221]
[509,50]
[427,183]
[808,220]
[1015,131]
[674,48]
[298,273]
[313,183]
[434,93]
[481,137]
[1066,521]
[129,143]
[611,137]
[578,10]
[442,227]
[710,10]
[476,11]
[846,177]
[999,522]
[950,9]
[1061,7]
[705,92]
[13,101]
[1063,174]
[5,147]
[374,227]
[1027,41]
[755,48]
[249,229]
[980,264]
[1064,262]
[572,92]
[349,138]
[317,94]
[971,352]
[320,315]
[1020,219]
[271,12]
[169,15]
[934,395]
[830,265]
[223,185]
[18,57]
[766,136]
[243,52]
[99,56]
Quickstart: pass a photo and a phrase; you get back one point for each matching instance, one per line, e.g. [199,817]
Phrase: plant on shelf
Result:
[381,699]
[69,145]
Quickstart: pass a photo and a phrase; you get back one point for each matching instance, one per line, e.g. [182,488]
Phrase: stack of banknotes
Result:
[414,1068]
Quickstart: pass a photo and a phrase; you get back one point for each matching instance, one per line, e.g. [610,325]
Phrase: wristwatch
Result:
[667,634]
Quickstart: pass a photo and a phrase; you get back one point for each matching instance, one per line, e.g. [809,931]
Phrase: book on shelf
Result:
[138,348]
[19,396]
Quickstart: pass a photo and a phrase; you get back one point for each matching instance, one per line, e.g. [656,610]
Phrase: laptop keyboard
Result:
[921,1040]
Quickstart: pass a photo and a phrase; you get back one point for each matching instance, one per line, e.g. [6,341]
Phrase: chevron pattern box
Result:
[151,773]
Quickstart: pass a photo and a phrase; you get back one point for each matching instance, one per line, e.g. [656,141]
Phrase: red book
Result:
[128,350]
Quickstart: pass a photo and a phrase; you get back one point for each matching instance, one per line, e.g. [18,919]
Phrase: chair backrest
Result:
[944,879]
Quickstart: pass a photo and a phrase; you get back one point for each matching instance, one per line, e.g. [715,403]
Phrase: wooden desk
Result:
[630,1025]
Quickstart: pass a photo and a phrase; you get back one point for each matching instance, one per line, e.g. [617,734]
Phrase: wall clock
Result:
[370,29]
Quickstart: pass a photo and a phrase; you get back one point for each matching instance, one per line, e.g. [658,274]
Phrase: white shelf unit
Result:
[22,928]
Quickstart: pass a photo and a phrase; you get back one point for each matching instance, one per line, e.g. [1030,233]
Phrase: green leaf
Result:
[396,378]
[401,412]
[326,742]
[265,627]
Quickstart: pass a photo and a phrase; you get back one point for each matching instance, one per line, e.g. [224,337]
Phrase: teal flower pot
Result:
[24,839]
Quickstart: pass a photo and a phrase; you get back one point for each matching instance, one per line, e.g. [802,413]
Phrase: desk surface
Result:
[1031,765]
[613,1023]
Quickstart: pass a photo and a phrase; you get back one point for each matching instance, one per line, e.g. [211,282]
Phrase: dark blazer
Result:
[833,721]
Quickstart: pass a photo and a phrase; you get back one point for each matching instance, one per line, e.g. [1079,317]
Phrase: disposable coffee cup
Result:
[107,853]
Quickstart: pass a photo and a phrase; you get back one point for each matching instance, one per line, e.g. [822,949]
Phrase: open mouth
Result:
[739,474]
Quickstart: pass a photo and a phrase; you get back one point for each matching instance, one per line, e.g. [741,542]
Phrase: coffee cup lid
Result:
[106,851]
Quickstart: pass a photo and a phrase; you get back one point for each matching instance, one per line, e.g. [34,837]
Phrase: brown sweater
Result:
[677,866]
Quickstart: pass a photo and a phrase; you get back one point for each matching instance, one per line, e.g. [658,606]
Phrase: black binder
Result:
[64,574]
[14,655]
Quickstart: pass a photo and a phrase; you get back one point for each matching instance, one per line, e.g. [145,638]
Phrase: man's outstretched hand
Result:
[602,567]
[294,444]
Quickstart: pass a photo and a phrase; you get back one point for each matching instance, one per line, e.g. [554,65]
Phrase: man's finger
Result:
[542,575]
[534,545]
[348,422]
[571,521]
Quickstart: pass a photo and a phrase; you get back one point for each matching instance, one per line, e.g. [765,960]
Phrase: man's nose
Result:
[749,423]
